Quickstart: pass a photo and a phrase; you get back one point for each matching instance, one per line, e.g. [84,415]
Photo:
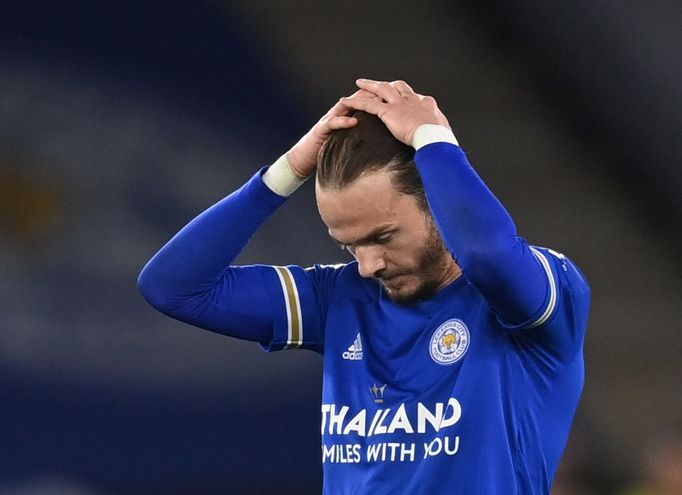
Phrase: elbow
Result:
[488,255]
[153,290]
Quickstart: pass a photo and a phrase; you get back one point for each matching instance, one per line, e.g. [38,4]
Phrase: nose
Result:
[370,260]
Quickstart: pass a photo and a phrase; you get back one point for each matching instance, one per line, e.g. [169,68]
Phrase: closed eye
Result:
[372,239]
[383,238]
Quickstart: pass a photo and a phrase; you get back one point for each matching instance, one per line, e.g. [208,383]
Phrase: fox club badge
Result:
[449,342]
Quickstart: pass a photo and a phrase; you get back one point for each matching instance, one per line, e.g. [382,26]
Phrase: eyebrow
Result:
[368,239]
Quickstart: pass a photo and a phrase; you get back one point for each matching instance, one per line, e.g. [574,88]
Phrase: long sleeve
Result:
[481,235]
[190,279]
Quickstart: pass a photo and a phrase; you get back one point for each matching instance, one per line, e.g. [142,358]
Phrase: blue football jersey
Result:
[449,395]
[439,396]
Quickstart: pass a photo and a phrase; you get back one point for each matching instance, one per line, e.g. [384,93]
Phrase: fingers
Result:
[373,97]
[341,122]
[403,88]
[340,109]
[380,88]
[363,93]
[389,91]
[370,105]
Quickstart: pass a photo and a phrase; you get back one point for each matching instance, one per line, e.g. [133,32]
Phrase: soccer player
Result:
[453,349]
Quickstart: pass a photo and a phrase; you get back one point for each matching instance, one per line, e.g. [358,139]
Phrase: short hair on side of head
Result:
[368,147]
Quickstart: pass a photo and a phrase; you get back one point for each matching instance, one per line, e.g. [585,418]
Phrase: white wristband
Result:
[281,179]
[432,133]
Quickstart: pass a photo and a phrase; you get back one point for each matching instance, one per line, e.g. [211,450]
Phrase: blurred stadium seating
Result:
[121,120]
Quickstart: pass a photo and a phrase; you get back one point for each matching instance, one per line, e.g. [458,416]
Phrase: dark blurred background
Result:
[119,121]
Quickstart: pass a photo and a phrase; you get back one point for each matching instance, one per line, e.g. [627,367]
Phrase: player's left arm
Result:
[520,282]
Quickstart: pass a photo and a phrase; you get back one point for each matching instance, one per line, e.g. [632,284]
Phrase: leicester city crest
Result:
[449,342]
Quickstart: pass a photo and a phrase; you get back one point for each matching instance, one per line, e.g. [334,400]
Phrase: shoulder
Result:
[565,283]
[560,324]
[567,295]
[563,274]
[343,280]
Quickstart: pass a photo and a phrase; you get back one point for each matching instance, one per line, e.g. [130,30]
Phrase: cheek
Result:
[416,250]
[404,254]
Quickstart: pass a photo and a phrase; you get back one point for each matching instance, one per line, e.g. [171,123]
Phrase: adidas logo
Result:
[354,352]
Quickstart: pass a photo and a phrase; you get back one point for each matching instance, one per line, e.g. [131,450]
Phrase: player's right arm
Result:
[192,279]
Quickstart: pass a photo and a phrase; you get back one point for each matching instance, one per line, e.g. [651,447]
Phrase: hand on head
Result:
[302,157]
[398,106]
[395,103]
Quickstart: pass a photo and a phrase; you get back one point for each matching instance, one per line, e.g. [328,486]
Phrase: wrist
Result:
[281,178]
[432,133]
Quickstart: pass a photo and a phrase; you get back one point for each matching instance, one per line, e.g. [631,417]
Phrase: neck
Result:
[451,273]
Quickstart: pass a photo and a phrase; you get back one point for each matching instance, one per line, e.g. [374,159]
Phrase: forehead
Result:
[369,203]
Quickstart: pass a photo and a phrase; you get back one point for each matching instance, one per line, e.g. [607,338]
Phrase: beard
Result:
[428,272]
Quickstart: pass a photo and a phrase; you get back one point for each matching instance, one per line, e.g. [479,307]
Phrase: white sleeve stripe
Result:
[292,304]
[552,289]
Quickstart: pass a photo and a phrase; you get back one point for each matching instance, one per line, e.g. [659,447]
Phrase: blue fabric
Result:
[480,233]
[517,390]
[190,278]
[462,393]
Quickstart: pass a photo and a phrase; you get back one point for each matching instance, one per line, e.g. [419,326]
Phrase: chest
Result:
[392,355]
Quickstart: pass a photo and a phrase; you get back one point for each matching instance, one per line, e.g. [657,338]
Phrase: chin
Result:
[409,295]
